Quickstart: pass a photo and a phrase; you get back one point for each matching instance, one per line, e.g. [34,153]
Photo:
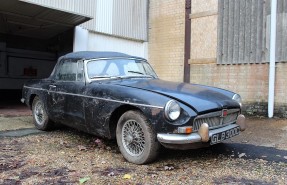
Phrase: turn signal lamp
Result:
[184,130]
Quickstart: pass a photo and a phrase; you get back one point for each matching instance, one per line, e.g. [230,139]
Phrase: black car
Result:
[114,95]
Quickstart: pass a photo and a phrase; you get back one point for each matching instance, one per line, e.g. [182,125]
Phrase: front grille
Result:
[215,119]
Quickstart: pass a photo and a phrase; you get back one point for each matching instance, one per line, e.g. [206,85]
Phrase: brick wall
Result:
[166,38]
[281,90]
[166,52]
[249,80]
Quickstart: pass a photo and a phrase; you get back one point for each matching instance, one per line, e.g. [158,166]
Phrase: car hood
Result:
[200,98]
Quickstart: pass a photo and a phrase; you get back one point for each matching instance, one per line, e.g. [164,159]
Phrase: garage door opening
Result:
[25,58]
[32,37]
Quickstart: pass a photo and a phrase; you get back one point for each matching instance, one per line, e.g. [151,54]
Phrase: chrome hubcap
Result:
[133,138]
[39,113]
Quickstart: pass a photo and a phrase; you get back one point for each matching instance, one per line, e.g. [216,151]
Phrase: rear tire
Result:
[136,138]
[40,116]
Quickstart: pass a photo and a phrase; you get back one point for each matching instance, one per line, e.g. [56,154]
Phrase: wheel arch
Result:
[31,98]
[115,116]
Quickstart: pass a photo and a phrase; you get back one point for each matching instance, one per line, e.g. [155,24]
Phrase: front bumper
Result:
[203,135]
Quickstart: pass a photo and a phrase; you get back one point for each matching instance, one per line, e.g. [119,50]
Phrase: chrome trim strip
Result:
[104,58]
[35,88]
[208,115]
[229,111]
[98,98]
[189,138]
[217,113]
[22,100]
[110,58]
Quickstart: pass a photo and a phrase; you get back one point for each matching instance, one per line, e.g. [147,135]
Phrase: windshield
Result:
[105,68]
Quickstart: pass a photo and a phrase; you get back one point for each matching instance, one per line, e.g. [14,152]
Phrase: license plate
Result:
[219,137]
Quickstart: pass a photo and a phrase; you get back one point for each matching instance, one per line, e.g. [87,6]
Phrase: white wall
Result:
[100,42]
[81,37]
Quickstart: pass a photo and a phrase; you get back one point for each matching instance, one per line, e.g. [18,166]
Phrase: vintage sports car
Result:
[114,95]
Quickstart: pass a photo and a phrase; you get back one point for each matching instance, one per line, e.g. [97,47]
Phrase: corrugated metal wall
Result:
[243,31]
[123,18]
[130,18]
[281,40]
[240,31]
[100,42]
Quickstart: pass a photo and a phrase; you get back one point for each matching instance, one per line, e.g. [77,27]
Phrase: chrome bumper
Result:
[203,135]
[22,100]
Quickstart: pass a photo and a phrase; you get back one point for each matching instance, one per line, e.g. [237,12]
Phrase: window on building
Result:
[241,31]
[244,31]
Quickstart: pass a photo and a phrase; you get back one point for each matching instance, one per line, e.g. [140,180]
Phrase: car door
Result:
[66,98]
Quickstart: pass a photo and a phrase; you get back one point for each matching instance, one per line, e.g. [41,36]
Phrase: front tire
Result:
[40,116]
[136,138]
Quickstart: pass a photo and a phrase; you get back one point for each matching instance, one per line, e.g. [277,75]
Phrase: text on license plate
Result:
[217,138]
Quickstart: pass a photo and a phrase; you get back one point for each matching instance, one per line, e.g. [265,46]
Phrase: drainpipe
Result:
[272,58]
[187,35]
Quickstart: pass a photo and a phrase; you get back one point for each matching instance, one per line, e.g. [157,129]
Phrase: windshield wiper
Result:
[137,72]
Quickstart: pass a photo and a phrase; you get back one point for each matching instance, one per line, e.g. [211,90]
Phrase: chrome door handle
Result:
[52,86]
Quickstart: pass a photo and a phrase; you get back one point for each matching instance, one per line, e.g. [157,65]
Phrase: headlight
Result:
[237,98]
[172,110]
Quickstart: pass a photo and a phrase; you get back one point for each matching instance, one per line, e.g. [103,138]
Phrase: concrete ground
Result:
[14,115]
[265,132]
[16,120]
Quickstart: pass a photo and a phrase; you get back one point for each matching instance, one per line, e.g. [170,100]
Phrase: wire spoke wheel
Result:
[133,138]
[39,113]
[40,116]
[136,138]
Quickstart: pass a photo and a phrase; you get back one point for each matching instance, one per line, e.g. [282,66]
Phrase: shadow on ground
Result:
[233,150]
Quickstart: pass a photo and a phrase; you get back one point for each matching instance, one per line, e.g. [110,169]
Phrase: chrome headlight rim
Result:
[172,115]
[237,98]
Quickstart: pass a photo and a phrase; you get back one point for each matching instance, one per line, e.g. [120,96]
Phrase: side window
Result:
[80,71]
[70,71]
